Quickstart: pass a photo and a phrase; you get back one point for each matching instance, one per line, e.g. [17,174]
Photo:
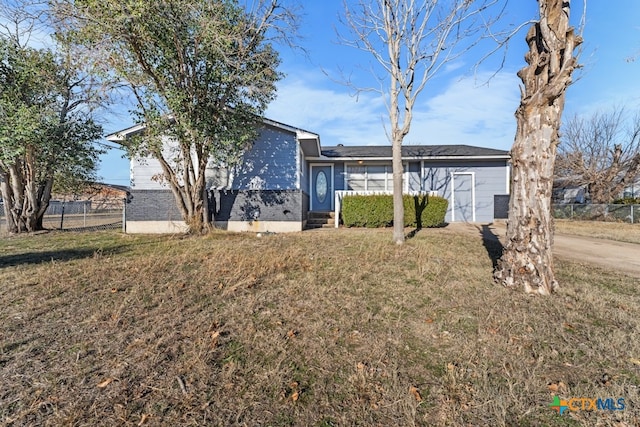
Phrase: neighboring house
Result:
[287,176]
[100,195]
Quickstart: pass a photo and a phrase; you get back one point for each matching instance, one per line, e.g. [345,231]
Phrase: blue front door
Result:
[321,188]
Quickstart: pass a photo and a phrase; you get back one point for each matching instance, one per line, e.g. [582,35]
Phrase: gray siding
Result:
[413,177]
[270,164]
[152,205]
[490,179]
[338,175]
[262,205]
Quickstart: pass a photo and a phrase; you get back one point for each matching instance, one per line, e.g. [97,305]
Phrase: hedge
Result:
[377,211]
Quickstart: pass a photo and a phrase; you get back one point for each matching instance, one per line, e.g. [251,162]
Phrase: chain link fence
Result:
[82,215]
[589,212]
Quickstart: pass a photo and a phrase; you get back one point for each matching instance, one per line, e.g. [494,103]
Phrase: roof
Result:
[414,151]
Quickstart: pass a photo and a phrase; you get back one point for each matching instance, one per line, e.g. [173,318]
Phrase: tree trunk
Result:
[398,205]
[527,259]
[24,204]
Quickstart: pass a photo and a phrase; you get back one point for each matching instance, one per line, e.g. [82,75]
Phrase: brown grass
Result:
[620,231]
[330,328]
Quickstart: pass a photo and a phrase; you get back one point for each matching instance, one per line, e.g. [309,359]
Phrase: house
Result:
[98,195]
[287,176]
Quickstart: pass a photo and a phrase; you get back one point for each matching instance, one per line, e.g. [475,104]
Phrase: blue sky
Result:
[459,106]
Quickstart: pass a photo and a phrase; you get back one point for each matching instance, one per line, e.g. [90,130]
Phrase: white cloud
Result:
[468,112]
[464,112]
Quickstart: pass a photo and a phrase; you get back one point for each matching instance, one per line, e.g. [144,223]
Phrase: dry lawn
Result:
[620,231]
[328,328]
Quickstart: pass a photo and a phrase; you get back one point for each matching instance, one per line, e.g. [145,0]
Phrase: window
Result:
[369,178]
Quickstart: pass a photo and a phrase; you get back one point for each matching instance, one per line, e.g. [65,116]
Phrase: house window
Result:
[369,178]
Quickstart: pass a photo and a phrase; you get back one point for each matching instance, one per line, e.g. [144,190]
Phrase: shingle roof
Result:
[412,151]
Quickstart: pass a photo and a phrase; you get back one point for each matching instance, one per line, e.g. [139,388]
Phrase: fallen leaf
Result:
[293,384]
[105,383]
[214,338]
[114,290]
[429,320]
[292,333]
[295,396]
[416,393]
[557,387]
[634,361]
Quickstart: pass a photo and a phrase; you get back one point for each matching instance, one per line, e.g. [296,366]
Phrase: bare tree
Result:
[411,41]
[527,260]
[601,153]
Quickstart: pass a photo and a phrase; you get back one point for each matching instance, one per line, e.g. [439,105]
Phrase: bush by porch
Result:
[373,211]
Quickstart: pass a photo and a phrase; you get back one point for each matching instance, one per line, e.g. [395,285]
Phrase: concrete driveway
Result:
[619,256]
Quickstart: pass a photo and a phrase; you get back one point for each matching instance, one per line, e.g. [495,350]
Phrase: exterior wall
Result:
[338,175]
[152,205]
[142,171]
[413,176]
[271,164]
[259,206]
[156,227]
[490,179]
[153,211]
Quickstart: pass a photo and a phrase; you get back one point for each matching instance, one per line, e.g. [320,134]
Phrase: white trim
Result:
[410,158]
[508,184]
[260,226]
[156,227]
[422,175]
[311,183]
[473,195]
[298,166]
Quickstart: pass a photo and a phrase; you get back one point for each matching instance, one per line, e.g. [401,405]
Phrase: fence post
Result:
[62,216]
[632,220]
[124,215]
[84,214]
[571,211]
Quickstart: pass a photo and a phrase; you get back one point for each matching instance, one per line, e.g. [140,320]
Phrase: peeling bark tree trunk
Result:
[25,199]
[527,258]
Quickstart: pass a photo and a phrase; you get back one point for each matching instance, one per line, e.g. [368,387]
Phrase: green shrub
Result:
[367,211]
[377,211]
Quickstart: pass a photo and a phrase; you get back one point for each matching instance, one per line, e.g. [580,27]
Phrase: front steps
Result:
[321,220]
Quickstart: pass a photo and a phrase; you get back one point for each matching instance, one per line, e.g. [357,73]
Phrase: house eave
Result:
[123,134]
[373,159]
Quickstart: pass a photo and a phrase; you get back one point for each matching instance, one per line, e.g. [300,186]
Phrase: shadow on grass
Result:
[48,256]
[491,243]
[412,233]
